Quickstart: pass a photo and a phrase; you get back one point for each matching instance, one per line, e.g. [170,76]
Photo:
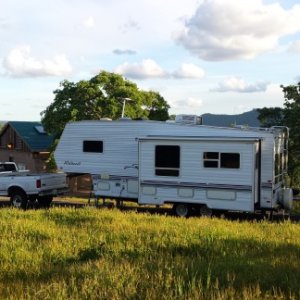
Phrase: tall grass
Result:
[108,254]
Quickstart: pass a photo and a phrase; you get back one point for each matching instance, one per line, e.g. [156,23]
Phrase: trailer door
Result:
[257,173]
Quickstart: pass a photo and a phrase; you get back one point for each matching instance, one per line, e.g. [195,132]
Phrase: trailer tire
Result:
[19,199]
[45,201]
[205,211]
[181,210]
[268,215]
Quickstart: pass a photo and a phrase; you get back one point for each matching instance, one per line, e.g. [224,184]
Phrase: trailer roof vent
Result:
[125,119]
[189,119]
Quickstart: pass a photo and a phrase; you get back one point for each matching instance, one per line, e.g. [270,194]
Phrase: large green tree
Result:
[101,97]
[292,120]
[270,116]
[288,116]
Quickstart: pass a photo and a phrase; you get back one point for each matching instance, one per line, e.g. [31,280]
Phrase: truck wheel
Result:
[181,210]
[19,199]
[45,201]
[205,211]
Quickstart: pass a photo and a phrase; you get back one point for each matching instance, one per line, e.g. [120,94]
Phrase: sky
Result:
[202,56]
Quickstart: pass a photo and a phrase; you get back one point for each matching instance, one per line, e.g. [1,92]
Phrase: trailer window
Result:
[277,168]
[93,146]
[230,160]
[221,160]
[167,160]
[211,159]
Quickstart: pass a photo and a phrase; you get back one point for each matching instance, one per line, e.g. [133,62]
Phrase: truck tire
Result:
[181,210]
[45,201]
[19,199]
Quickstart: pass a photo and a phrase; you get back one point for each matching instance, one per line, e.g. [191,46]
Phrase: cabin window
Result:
[167,160]
[221,160]
[93,146]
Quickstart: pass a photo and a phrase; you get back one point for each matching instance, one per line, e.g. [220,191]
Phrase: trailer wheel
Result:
[181,210]
[19,199]
[205,211]
[268,215]
[45,201]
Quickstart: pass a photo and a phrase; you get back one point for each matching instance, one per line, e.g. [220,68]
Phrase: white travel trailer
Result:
[193,167]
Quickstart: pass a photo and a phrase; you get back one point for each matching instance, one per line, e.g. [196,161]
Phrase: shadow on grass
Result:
[71,218]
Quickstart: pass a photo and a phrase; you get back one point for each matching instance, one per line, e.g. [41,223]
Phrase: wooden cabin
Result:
[26,144]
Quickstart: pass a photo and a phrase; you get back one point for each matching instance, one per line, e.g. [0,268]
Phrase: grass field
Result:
[88,253]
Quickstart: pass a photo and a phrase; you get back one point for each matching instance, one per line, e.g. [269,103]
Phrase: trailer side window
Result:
[221,160]
[93,146]
[277,168]
[211,159]
[230,160]
[167,160]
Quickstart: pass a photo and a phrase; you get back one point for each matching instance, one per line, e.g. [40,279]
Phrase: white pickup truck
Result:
[23,187]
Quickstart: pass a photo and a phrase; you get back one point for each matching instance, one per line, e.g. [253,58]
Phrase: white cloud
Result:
[295,47]
[20,63]
[148,68]
[194,103]
[189,71]
[89,22]
[130,25]
[227,30]
[188,105]
[236,84]
[124,52]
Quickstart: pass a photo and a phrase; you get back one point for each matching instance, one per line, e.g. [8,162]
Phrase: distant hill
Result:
[248,119]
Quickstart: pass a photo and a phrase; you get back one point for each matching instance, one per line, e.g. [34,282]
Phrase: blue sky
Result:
[202,56]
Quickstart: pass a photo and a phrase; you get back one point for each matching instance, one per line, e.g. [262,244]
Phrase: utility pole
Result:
[124,103]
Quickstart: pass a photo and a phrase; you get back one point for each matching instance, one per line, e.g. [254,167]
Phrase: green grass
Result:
[89,253]
[296,207]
